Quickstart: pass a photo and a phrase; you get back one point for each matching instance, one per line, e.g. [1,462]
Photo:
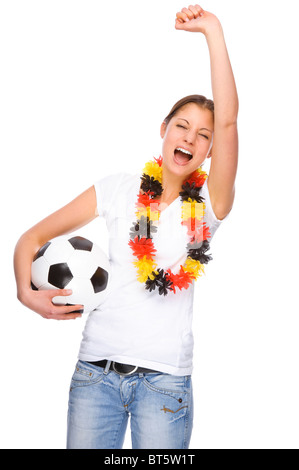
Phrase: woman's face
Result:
[187,139]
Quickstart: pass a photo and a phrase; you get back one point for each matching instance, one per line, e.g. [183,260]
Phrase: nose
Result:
[190,136]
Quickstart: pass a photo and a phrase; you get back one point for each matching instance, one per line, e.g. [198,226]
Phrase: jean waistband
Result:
[123,369]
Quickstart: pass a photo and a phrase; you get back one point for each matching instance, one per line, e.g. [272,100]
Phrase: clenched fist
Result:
[195,19]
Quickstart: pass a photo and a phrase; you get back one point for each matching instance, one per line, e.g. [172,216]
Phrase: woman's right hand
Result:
[41,302]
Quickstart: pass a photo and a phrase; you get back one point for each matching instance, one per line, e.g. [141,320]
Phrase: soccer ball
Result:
[75,263]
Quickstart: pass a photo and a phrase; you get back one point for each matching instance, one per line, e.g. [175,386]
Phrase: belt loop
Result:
[107,367]
[141,375]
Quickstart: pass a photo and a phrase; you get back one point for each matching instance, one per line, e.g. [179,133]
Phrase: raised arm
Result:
[224,161]
[71,217]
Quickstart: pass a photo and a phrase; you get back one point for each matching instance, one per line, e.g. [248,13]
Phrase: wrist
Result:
[214,32]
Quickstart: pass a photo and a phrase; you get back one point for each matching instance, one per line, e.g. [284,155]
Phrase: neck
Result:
[172,185]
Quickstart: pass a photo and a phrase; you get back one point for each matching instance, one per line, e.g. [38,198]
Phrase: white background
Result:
[84,88]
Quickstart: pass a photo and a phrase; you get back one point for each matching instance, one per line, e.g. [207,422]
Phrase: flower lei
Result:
[193,209]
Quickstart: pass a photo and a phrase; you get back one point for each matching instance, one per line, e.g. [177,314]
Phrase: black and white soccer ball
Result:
[72,263]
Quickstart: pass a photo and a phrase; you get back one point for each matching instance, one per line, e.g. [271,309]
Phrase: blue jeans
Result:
[101,401]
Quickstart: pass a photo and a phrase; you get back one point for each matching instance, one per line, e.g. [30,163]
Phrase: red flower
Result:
[197,230]
[142,247]
[159,160]
[193,225]
[202,233]
[197,179]
[182,280]
[144,200]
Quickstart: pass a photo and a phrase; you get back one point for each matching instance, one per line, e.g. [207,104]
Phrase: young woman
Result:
[136,354]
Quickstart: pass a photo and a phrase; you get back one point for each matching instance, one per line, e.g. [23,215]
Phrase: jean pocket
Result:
[86,374]
[172,392]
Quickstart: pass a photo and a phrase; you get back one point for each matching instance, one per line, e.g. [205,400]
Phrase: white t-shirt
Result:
[135,326]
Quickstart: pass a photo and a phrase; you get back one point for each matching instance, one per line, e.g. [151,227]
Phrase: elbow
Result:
[224,205]
[227,122]
[228,117]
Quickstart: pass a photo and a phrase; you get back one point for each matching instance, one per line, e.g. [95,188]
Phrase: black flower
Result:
[191,191]
[144,227]
[149,183]
[199,254]
[160,281]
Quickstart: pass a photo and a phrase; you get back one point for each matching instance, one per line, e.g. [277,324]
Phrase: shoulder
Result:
[117,178]
[115,187]
[114,182]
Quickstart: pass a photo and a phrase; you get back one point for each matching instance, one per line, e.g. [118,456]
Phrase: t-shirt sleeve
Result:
[106,190]
[210,218]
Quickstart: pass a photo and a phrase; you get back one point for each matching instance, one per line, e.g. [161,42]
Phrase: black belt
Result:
[123,369]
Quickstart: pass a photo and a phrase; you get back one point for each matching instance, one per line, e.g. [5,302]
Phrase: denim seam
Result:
[133,393]
[185,445]
[187,417]
[117,433]
[86,383]
[85,372]
[163,391]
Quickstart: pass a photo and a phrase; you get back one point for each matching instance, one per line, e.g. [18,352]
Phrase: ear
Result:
[163,129]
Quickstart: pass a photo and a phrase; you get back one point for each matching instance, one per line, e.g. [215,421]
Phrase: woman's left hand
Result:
[195,19]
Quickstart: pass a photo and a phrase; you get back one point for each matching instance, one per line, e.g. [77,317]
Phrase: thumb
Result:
[183,25]
[179,24]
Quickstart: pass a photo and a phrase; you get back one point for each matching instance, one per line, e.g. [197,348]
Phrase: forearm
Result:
[223,83]
[25,250]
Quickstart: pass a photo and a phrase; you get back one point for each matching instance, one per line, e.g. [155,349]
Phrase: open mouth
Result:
[182,156]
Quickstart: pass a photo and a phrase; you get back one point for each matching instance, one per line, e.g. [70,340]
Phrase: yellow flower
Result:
[194,267]
[153,169]
[147,212]
[145,267]
[192,209]
[201,172]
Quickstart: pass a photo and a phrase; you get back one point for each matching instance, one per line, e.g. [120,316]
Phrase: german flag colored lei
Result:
[193,210]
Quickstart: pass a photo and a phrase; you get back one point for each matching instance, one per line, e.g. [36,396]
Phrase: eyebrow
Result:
[202,128]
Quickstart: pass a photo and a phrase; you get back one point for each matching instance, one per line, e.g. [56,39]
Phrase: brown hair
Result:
[201,100]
